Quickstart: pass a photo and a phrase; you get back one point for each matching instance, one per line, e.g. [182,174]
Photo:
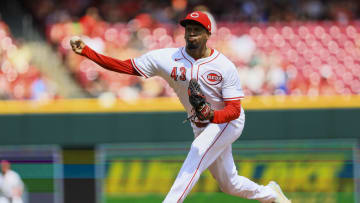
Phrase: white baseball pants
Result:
[212,149]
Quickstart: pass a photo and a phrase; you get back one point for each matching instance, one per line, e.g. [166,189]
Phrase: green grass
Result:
[198,198]
[224,198]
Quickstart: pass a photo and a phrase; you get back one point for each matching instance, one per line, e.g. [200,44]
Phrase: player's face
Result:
[196,36]
[5,166]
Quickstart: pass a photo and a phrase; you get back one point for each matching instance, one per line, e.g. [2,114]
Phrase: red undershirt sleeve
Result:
[110,63]
[230,112]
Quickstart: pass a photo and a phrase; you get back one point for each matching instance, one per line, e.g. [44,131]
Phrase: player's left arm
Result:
[203,110]
[230,112]
[232,93]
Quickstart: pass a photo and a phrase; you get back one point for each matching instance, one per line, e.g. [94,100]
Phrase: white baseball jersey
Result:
[216,74]
[10,182]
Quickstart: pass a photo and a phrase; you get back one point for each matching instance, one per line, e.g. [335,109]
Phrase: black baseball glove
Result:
[201,107]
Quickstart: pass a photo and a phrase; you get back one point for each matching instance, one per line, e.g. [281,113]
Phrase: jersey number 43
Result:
[174,73]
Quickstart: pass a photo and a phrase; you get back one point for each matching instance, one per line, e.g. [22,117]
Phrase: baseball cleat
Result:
[281,198]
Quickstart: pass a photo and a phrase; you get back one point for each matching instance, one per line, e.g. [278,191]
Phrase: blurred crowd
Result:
[292,47]
[19,78]
[279,58]
[170,11]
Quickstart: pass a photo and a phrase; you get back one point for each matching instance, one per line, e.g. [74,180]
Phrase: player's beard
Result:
[192,45]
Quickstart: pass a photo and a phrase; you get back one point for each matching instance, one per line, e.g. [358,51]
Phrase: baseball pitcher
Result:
[208,86]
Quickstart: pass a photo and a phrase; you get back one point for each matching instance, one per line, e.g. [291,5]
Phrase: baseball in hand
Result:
[77,44]
[74,39]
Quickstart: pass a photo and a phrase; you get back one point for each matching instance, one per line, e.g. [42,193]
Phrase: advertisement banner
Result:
[318,168]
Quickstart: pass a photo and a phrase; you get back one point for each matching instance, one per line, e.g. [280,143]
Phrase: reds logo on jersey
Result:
[212,77]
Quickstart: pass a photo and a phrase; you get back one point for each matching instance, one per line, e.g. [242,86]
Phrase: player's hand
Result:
[77,44]
[204,112]
[198,101]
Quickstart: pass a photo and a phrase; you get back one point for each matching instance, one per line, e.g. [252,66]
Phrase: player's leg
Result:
[224,171]
[204,150]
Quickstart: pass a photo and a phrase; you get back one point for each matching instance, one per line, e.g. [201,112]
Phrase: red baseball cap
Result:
[198,17]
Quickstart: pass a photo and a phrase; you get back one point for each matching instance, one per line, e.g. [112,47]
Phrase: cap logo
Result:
[194,14]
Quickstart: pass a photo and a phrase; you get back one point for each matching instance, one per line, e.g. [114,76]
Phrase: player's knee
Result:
[193,152]
[196,148]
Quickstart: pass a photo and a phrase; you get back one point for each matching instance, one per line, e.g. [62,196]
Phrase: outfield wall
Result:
[94,128]
[88,122]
